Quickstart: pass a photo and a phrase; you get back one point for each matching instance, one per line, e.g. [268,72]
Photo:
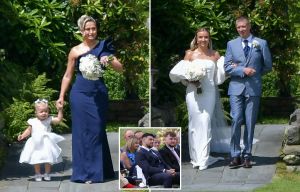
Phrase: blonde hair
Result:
[83,20]
[130,143]
[242,18]
[194,44]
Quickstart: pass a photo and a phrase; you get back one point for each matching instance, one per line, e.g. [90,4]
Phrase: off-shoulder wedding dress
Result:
[207,129]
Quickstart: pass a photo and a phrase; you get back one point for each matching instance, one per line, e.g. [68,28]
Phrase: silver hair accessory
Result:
[41,101]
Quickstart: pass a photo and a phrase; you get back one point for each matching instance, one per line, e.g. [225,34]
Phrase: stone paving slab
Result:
[219,177]
[16,177]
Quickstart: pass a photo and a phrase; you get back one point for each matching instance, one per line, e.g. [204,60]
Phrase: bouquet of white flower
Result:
[194,72]
[91,68]
[188,71]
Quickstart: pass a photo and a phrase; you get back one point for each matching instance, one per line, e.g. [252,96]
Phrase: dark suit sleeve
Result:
[169,159]
[142,161]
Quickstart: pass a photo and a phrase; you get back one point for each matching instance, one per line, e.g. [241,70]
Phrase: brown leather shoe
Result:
[247,163]
[235,163]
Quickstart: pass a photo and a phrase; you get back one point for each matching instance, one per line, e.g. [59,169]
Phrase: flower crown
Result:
[41,101]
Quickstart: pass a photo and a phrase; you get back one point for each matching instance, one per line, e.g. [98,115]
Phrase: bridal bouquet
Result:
[194,72]
[188,71]
[91,68]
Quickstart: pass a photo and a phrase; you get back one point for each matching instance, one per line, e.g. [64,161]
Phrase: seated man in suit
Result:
[155,170]
[169,152]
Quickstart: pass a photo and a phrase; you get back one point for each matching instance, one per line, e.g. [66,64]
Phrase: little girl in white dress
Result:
[42,146]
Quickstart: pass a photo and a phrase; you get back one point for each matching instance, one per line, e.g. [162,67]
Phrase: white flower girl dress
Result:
[42,146]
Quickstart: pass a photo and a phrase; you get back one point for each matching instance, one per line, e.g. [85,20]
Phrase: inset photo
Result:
[150,158]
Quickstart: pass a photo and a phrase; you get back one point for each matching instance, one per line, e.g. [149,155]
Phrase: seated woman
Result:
[128,156]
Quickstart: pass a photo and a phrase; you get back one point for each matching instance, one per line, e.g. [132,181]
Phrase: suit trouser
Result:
[244,109]
[164,179]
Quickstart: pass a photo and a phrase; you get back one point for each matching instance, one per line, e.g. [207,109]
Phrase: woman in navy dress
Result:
[91,159]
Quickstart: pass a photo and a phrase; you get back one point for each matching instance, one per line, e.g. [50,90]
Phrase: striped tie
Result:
[246,48]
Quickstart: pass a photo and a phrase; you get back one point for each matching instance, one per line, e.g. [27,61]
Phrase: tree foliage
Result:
[175,21]
[40,33]
[36,36]
[16,115]
[275,21]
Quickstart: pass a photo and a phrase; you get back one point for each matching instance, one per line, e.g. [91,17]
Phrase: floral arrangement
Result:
[91,68]
[256,44]
[195,72]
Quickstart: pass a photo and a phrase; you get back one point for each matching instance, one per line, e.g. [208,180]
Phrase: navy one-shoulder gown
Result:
[91,159]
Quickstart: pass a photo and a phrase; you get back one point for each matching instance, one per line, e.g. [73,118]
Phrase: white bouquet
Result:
[186,70]
[194,72]
[91,68]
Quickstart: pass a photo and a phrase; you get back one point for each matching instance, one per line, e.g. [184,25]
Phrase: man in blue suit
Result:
[247,59]
[155,170]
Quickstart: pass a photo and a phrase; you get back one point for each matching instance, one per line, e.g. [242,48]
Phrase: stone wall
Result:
[130,111]
[291,143]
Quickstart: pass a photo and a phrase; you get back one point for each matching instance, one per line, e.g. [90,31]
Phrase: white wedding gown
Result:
[201,108]
[208,130]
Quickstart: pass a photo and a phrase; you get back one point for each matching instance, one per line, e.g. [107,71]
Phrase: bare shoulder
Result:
[188,54]
[75,51]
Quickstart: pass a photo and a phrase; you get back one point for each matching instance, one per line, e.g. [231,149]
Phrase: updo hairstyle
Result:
[83,20]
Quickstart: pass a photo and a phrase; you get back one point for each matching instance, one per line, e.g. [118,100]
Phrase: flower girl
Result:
[42,146]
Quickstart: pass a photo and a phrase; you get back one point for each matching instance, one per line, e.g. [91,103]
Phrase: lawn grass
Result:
[114,126]
[282,181]
[273,120]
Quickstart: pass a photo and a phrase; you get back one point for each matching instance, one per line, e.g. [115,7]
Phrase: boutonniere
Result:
[256,44]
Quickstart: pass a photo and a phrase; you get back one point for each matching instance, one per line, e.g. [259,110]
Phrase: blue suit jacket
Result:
[150,163]
[259,58]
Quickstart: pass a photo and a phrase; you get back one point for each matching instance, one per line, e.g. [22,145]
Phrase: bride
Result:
[207,129]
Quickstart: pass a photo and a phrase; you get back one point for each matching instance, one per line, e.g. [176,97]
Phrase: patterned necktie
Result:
[246,48]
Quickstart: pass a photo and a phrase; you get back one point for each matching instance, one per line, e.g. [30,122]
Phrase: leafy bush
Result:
[44,31]
[16,116]
[143,88]
[10,78]
[270,85]
[115,84]
[22,108]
